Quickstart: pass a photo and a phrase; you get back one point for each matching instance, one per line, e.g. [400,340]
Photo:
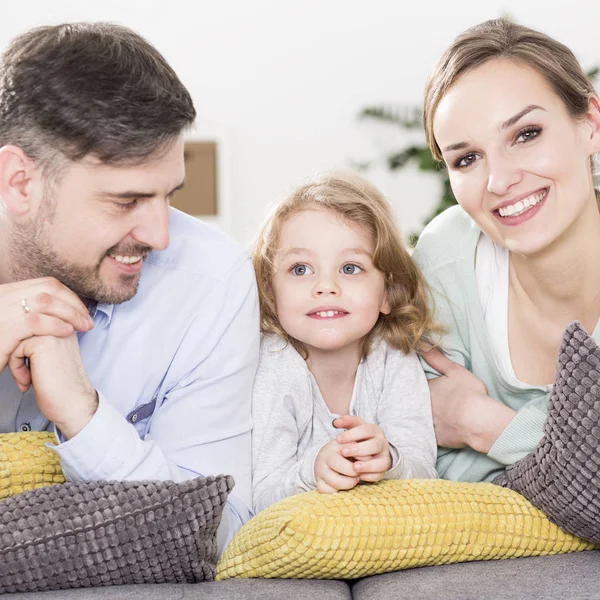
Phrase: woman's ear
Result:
[593,119]
[16,173]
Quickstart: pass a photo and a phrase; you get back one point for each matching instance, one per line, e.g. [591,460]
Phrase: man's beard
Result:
[31,257]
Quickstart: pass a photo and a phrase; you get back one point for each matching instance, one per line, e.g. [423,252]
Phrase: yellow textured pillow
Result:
[390,526]
[26,463]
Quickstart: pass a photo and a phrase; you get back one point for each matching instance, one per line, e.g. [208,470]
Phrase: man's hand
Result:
[63,391]
[463,413]
[367,445]
[38,307]
[333,472]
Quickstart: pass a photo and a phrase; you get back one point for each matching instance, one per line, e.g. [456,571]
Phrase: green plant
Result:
[410,119]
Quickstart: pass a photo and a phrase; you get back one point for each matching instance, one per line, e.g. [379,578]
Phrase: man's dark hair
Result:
[89,88]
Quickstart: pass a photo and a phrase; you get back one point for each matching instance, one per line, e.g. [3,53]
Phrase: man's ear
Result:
[593,119]
[17,172]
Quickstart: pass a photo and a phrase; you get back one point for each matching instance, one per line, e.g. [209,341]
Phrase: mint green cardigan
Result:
[446,255]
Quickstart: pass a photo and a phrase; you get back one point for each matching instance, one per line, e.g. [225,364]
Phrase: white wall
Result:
[281,83]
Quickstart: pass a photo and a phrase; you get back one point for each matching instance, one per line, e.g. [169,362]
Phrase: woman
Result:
[516,121]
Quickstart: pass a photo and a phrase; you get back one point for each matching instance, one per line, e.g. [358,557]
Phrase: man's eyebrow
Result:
[130,194]
[508,123]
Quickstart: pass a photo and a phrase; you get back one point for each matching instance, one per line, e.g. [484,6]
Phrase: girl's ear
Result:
[16,174]
[385,308]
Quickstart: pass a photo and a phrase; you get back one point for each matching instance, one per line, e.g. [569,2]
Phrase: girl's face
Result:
[327,291]
[518,162]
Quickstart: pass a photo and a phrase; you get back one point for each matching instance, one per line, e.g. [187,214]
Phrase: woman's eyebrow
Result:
[508,123]
[514,119]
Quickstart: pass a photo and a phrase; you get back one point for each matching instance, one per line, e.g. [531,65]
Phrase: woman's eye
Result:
[466,160]
[351,269]
[528,134]
[301,270]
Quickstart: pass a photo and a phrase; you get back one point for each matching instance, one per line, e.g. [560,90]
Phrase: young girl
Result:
[340,396]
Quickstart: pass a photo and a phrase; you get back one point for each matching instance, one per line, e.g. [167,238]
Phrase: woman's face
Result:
[518,162]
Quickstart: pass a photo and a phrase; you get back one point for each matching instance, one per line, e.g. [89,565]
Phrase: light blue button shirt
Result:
[173,368]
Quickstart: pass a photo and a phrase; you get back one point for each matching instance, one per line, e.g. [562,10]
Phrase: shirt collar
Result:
[93,307]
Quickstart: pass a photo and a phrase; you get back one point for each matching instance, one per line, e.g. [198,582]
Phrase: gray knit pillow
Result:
[561,476]
[111,533]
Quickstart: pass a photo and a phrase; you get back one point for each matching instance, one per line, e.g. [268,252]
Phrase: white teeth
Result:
[328,313]
[127,260]
[521,206]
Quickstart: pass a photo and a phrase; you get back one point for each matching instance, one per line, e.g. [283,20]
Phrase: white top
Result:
[292,421]
[491,272]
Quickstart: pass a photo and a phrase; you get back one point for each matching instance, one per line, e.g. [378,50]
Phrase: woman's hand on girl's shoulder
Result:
[463,413]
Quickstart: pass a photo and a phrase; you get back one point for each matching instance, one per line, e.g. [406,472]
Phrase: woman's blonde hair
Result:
[356,201]
[500,38]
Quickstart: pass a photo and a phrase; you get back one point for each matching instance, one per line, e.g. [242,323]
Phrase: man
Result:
[129,327]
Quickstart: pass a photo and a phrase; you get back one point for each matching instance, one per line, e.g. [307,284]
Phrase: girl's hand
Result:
[463,413]
[367,445]
[333,472]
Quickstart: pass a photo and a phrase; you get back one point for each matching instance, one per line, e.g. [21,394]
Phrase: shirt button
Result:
[134,418]
[25,427]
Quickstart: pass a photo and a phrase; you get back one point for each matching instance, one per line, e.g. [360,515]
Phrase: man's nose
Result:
[153,226]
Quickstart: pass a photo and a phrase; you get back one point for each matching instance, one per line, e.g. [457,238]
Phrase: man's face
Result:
[94,227]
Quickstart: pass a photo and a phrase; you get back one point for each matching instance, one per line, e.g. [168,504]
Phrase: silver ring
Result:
[25,306]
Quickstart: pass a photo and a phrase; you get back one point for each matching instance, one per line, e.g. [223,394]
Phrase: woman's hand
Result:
[463,413]
[367,445]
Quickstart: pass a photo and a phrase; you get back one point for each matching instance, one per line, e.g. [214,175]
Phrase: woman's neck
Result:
[335,374]
[564,279]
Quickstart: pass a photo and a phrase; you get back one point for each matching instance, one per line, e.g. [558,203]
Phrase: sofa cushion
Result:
[111,533]
[388,526]
[562,475]
[566,576]
[27,463]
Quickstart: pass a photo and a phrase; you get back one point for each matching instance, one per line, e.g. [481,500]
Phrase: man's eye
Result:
[301,270]
[351,269]
[126,205]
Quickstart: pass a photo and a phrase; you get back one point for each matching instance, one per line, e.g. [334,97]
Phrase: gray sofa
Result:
[563,577]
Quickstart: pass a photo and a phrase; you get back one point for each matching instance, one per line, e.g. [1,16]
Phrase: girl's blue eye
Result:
[351,269]
[301,270]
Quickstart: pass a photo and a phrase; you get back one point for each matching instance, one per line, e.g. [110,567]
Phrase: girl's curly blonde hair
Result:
[356,200]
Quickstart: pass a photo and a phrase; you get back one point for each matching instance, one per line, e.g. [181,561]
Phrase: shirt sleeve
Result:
[202,425]
[281,408]
[404,414]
